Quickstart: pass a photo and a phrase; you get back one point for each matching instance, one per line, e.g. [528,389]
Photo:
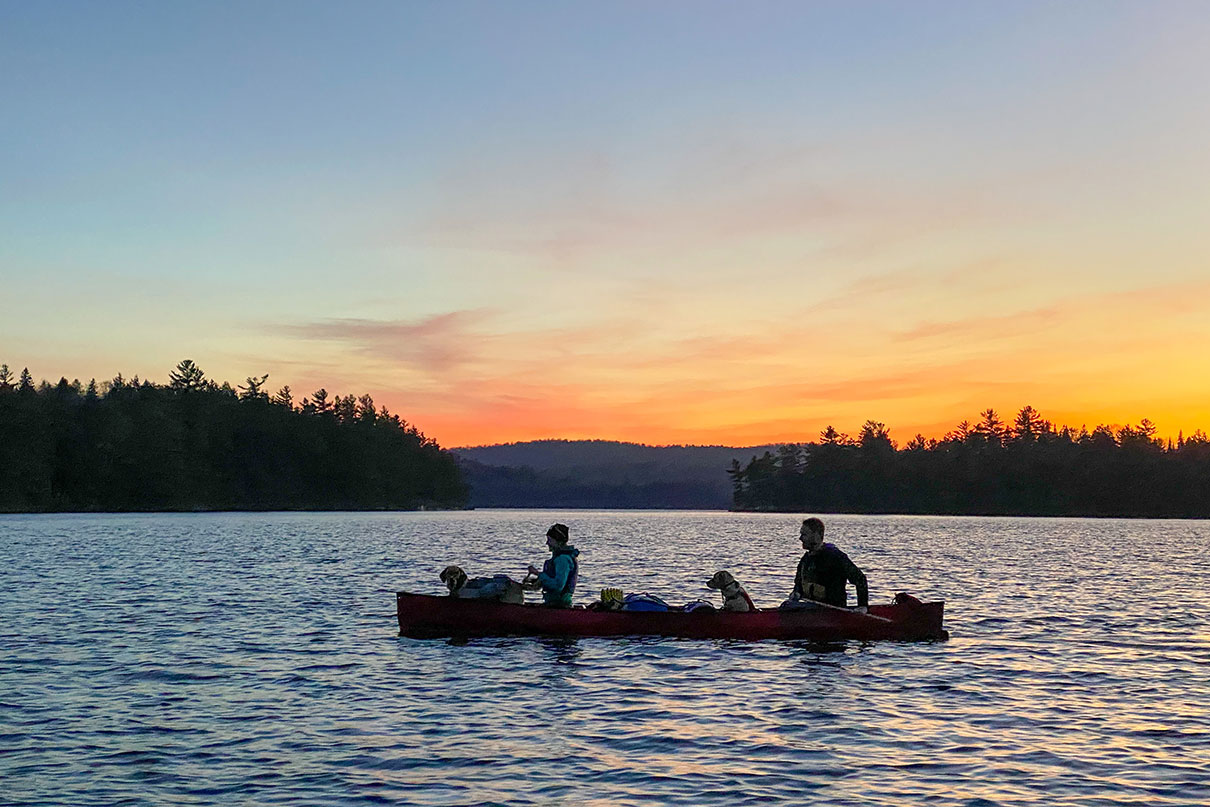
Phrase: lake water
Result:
[254,659]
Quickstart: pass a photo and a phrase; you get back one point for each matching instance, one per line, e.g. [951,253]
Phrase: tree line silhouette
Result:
[1027,467]
[194,444]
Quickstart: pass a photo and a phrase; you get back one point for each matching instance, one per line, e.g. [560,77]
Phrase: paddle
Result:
[848,610]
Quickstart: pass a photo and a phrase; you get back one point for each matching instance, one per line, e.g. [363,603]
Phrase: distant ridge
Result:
[601,474]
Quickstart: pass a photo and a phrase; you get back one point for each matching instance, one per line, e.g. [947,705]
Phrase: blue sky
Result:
[673,222]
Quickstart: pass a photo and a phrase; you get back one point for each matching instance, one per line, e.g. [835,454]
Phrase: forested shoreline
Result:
[1029,467]
[194,444]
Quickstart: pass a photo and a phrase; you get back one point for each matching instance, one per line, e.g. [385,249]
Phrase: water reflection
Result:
[811,651]
[251,659]
[561,650]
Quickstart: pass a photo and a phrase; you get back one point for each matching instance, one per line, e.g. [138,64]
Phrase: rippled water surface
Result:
[254,659]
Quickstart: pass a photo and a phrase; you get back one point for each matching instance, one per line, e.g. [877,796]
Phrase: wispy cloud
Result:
[1151,304]
[566,208]
[432,344]
[1009,325]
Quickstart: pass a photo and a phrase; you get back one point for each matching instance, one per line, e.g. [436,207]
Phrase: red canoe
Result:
[425,616]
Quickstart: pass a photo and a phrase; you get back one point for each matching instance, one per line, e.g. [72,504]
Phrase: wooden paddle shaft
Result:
[848,610]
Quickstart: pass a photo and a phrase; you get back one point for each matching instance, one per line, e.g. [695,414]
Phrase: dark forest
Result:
[193,444]
[1027,467]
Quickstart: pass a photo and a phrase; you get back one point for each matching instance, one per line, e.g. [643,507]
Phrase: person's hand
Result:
[534,570]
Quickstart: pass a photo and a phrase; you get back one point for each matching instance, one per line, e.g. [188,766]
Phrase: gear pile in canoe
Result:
[908,619]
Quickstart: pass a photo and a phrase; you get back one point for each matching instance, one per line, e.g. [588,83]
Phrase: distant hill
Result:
[601,474]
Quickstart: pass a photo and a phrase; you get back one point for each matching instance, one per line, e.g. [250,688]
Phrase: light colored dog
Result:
[500,587]
[454,579]
[734,596]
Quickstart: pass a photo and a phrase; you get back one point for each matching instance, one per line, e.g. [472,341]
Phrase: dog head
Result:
[454,579]
[720,580]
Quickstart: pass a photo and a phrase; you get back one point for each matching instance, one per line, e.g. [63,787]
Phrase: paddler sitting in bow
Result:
[557,578]
[823,572]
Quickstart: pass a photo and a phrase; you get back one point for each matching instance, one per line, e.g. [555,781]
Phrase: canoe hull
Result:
[426,616]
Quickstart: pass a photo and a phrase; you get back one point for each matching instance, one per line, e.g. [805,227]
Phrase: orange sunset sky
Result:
[707,223]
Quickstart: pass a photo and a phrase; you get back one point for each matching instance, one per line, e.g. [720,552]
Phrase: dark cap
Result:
[558,532]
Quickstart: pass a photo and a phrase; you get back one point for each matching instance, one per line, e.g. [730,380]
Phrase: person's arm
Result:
[797,593]
[857,578]
[557,581]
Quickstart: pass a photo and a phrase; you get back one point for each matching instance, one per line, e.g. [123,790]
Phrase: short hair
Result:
[813,524]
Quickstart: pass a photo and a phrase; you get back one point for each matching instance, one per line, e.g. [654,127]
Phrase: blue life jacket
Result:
[552,593]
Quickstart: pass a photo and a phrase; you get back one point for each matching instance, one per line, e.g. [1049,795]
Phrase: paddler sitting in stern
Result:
[823,572]
[558,575]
